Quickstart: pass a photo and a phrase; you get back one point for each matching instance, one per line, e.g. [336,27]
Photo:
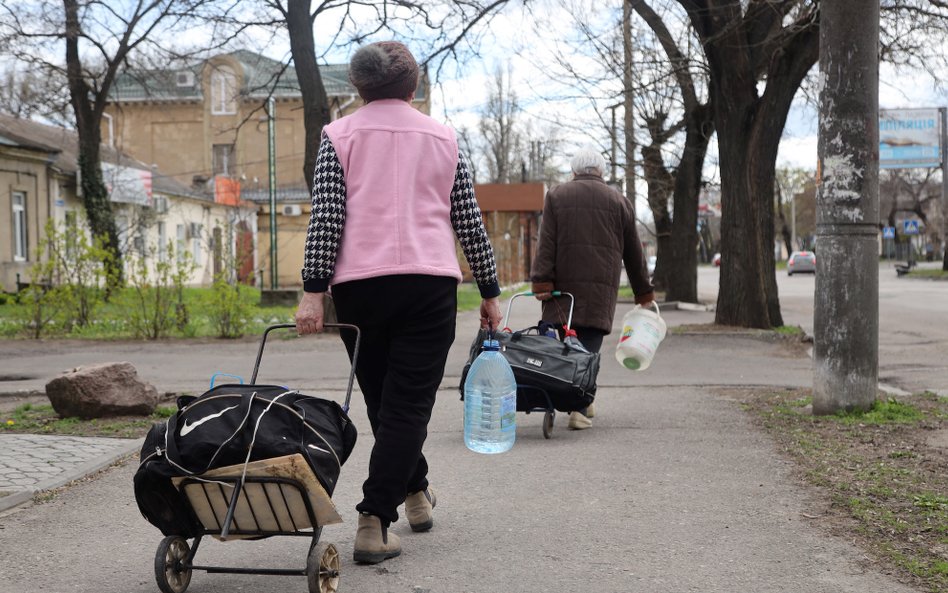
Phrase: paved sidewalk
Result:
[31,463]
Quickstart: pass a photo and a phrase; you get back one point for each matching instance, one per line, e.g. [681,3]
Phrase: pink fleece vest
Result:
[399,167]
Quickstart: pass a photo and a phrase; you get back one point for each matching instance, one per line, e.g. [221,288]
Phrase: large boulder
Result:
[102,390]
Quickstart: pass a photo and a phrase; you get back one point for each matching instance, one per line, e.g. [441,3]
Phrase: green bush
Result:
[230,307]
[154,302]
[66,282]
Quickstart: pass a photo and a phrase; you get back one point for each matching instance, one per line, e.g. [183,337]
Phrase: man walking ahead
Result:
[586,235]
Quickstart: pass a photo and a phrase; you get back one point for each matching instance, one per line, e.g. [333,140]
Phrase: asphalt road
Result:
[913,323]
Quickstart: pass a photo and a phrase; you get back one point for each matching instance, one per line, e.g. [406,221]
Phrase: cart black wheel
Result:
[171,577]
[322,569]
[548,424]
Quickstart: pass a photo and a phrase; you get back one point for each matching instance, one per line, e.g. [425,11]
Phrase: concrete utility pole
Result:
[846,311]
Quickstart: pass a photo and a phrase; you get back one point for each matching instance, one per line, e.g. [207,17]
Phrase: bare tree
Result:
[913,192]
[98,39]
[500,131]
[27,95]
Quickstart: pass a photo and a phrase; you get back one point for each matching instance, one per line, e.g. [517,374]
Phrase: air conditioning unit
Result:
[292,210]
[184,78]
[161,204]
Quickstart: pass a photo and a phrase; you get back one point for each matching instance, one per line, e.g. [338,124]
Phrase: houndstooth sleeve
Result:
[327,219]
[469,228]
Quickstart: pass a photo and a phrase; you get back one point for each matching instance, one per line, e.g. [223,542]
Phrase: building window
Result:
[223,157]
[223,91]
[20,248]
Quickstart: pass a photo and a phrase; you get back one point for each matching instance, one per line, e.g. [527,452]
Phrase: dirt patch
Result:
[882,475]
[939,440]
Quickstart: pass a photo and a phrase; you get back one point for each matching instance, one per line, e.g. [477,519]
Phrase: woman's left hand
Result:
[490,313]
[309,313]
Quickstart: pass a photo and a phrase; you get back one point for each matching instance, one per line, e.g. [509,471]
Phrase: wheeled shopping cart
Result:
[552,374]
[250,501]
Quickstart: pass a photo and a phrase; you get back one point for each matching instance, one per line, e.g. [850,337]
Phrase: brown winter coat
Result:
[587,232]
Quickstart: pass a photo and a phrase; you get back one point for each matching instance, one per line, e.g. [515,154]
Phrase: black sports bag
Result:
[543,365]
[231,424]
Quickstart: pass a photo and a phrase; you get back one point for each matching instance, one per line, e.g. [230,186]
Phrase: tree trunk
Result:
[761,160]
[659,182]
[742,298]
[299,25]
[95,195]
[682,274]
[786,234]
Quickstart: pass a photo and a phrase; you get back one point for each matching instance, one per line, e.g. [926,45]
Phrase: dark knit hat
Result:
[383,70]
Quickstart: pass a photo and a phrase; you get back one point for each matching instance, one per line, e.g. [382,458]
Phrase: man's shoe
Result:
[591,411]
[418,507]
[579,422]
[373,542]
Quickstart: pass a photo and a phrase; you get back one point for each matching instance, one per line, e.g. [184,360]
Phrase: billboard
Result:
[127,184]
[909,138]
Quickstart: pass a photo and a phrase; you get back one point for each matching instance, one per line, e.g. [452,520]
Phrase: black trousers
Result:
[407,325]
[591,337]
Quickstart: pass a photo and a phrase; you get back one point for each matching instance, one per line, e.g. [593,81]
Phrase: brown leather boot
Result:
[418,507]
[373,542]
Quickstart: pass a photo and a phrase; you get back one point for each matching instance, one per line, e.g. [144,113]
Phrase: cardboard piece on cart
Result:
[256,511]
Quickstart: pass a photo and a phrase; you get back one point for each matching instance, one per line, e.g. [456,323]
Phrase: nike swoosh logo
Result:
[189,427]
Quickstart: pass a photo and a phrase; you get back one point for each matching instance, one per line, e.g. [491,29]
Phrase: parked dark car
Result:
[801,261]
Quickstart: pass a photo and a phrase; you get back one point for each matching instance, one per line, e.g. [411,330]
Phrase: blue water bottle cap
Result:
[491,345]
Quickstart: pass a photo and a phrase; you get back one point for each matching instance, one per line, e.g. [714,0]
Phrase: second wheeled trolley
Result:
[279,496]
[552,374]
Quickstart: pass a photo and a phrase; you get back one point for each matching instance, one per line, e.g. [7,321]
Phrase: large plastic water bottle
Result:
[490,402]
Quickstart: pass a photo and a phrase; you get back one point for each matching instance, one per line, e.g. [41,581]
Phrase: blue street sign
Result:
[909,227]
[888,232]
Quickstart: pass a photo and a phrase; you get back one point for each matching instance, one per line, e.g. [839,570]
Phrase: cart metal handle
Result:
[355,353]
[556,293]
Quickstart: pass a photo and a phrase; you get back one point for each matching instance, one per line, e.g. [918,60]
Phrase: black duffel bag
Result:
[230,425]
[544,367]
[234,424]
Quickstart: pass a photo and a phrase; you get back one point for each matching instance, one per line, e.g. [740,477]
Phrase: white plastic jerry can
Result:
[642,331]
